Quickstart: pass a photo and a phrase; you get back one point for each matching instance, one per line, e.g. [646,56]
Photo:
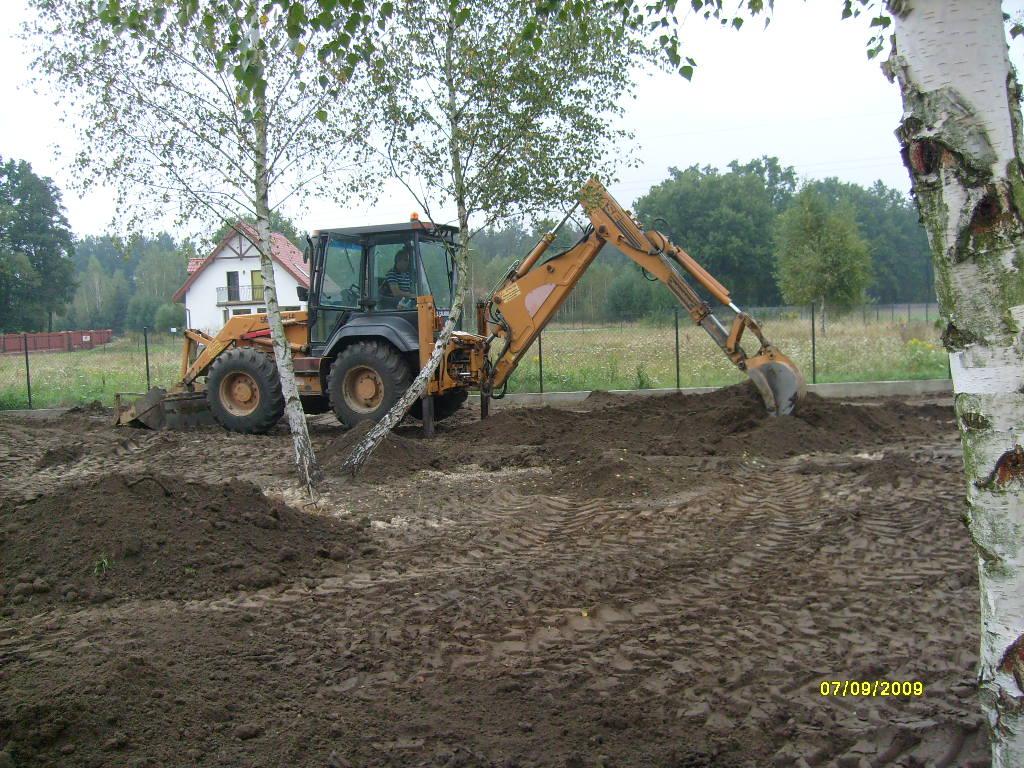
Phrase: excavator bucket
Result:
[777,379]
[159,410]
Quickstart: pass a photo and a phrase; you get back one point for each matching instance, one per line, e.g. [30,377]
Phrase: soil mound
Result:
[154,536]
[396,456]
[95,408]
[727,422]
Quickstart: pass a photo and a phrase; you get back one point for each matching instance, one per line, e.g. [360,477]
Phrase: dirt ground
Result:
[627,582]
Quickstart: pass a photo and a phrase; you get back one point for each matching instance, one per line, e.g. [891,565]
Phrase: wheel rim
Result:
[363,389]
[239,394]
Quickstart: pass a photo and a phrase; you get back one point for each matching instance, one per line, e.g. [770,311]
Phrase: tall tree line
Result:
[36,246]
[128,284]
[729,220]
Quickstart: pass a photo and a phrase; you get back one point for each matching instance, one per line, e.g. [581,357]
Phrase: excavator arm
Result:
[532,291]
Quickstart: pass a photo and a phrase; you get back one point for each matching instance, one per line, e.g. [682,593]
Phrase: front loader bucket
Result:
[778,380]
[159,410]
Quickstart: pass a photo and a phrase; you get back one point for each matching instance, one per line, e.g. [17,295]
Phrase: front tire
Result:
[244,391]
[366,379]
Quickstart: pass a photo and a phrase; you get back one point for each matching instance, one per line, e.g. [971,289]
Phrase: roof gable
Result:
[282,250]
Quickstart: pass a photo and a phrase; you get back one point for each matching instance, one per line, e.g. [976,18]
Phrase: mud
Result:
[152,536]
[649,582]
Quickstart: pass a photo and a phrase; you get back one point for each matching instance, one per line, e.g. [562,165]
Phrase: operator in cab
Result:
[399,281]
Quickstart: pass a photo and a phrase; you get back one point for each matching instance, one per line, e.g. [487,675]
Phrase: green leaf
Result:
[321,115]
[686,71]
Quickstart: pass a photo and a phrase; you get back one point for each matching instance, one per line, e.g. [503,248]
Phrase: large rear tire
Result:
[445,405]
[244,391]
[366,379]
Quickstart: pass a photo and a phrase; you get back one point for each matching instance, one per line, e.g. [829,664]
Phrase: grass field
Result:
[73,378]
[640,356]
[625,356]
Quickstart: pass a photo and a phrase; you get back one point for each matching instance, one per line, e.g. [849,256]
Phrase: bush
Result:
[141,312]
[169,316]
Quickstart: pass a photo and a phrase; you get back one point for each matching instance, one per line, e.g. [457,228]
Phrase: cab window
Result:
[394,275]
[340,286]
[438,259]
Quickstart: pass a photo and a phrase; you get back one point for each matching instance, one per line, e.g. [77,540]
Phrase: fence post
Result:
[540,360]
[927,306]
[908,313]
[28,372]
[145,342]
[814,350]
[892,311]
[676,311]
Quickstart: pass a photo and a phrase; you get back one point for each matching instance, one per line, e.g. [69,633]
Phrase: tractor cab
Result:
[368,278]
[364,319]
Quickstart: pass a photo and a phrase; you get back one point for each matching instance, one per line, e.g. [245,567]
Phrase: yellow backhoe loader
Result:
[377,300]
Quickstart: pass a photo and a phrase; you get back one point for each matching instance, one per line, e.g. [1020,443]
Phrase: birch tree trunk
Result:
[305,458]
[961,141]
[364,449]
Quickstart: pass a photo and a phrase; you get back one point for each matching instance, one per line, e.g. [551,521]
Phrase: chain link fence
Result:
[52,378]
[659,350]
[666,350]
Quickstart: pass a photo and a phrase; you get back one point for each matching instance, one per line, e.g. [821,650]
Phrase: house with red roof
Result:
[229,281]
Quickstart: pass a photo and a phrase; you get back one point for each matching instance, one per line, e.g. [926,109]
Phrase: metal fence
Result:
[658,350]
[665,349]
[47,378]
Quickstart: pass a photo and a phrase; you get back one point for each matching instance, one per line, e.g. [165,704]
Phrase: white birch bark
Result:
[305,458]
[365,447]
[962,145]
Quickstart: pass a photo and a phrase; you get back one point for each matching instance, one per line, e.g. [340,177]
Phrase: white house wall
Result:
[201,305]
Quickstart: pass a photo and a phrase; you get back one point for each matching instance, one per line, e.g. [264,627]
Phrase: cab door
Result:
[337,287]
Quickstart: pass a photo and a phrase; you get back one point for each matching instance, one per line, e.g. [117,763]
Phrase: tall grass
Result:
[642,355]
[72,378]
[620,356]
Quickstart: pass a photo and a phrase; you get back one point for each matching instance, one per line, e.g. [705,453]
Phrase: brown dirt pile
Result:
[156,537]
[728,422]
[396,456]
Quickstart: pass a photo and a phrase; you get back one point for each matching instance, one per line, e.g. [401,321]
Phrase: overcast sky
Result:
[802,90]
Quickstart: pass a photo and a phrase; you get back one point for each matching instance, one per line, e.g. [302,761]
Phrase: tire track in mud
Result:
[624,600]
[716,609]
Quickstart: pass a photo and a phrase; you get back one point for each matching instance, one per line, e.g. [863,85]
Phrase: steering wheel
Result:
[350,296]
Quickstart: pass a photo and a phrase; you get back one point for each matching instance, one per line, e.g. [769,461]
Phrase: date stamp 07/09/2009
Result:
[890,688]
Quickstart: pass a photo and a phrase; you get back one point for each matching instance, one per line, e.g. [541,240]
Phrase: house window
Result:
[241,311]
[256,280]
[289,309]
[232,278]
[261,309]
[225,316]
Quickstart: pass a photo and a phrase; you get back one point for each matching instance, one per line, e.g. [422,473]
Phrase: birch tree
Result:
[481,110]
[211,110]
[961,139]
